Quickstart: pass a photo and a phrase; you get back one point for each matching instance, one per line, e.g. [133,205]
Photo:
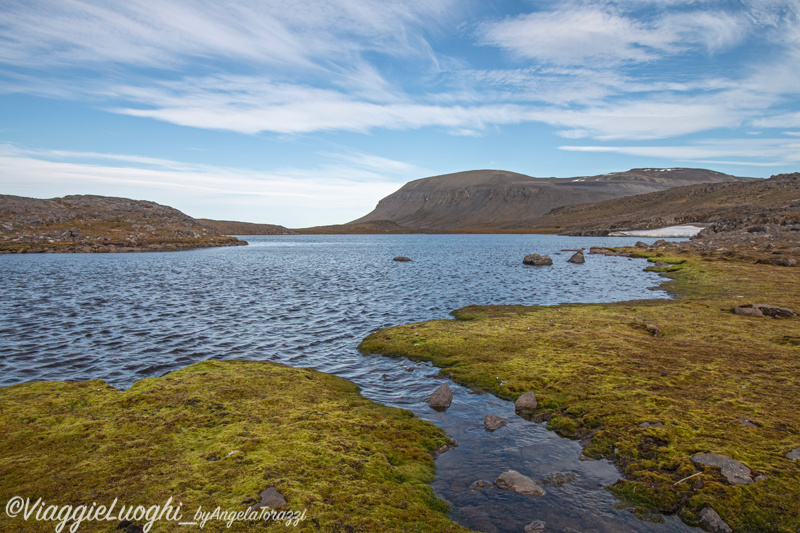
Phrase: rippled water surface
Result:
[307,301]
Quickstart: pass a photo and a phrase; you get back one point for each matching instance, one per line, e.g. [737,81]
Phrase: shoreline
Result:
[633,442]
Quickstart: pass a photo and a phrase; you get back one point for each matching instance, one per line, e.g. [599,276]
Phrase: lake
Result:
[307,301]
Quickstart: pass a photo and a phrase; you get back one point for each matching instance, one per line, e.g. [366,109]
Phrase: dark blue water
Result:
[307,301]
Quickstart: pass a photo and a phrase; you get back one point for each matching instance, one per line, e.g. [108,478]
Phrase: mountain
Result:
[229,227]
[723,206]
[487,200]
[99,224]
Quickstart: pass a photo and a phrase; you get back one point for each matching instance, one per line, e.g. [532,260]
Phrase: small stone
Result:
[653,329]
[481,484]
[401,258]
[794,455]
[513,481]
[712,521]
[270,498]
[493,423]
[441,398]
[648,425]
[537,526]
[748,424]
[759,478]
[526,402]
[735,472]
[577,258]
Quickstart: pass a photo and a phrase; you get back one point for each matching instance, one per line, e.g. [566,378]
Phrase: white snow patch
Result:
[669,231]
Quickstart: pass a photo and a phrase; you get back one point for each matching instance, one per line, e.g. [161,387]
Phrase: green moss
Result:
[599,373]
[217,434]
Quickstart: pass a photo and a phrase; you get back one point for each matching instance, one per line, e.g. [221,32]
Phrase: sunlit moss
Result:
[217,434]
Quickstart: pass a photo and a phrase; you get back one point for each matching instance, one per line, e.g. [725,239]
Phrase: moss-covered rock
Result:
[218,434]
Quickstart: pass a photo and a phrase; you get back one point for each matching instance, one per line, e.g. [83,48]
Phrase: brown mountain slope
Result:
[99,224]
[725,206]
[230,227]
[492,199]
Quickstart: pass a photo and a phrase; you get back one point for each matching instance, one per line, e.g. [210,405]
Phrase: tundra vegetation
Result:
[218,433]
[704,380]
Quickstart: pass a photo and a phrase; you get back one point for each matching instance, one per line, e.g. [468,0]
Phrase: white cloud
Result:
[762,152]
[292,197]
[585,34]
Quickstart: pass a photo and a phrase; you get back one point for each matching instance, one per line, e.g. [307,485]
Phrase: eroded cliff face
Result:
[99,224]
[494,198]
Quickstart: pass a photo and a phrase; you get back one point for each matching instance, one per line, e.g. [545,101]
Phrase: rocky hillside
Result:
[99,224]
[229,227]
[487,200]
[722,206]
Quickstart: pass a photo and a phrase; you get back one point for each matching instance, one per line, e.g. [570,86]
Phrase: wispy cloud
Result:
[295,197]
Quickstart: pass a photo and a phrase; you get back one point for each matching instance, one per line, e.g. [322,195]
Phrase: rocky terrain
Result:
[494,200]
[99,224]
[720,206]
[229,227]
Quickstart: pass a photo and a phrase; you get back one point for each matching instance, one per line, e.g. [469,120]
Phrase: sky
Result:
[307,112]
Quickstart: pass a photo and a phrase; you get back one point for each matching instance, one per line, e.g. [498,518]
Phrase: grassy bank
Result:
[218,434]
[599,373]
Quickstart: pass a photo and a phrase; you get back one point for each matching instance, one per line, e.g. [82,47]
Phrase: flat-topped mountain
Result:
[723,206]
[486,200]
[99,224]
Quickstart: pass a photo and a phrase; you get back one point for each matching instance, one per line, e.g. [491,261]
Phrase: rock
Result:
[712,522]
[526,402]
[559,479]
[493,423]
[600,250]
[444,448]
[640,244]
[772,311]
[481,484]
[778,261]
[271,499]
[513,481]
[578,258]
[735,472]
[759,478]
[441,398]
[661,264]
[537,260]
[401,258]
[653,329]
[747,423]
[794,455]
[647,425]
[537,526]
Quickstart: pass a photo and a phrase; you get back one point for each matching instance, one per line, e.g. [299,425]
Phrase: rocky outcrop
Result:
[794,455]
[99,224]
[441,398]
[230,227]
[537,260]
[772,311]
[513,481]
[735,472]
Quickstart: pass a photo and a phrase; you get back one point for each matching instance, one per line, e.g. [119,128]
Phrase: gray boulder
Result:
[271,499]
[493,423]
[794,455]
[712,521]
[513,481]
[772,311]
[441,398]
[735,472]
[526,402]
[577,258]
[537,260]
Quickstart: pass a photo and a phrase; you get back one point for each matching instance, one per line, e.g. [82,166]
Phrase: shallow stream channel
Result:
[307,301]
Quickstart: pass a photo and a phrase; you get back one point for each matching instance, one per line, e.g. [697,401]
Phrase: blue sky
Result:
[308,112]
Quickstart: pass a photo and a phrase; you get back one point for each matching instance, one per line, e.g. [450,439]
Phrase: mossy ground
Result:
[598,373]
[352,464]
